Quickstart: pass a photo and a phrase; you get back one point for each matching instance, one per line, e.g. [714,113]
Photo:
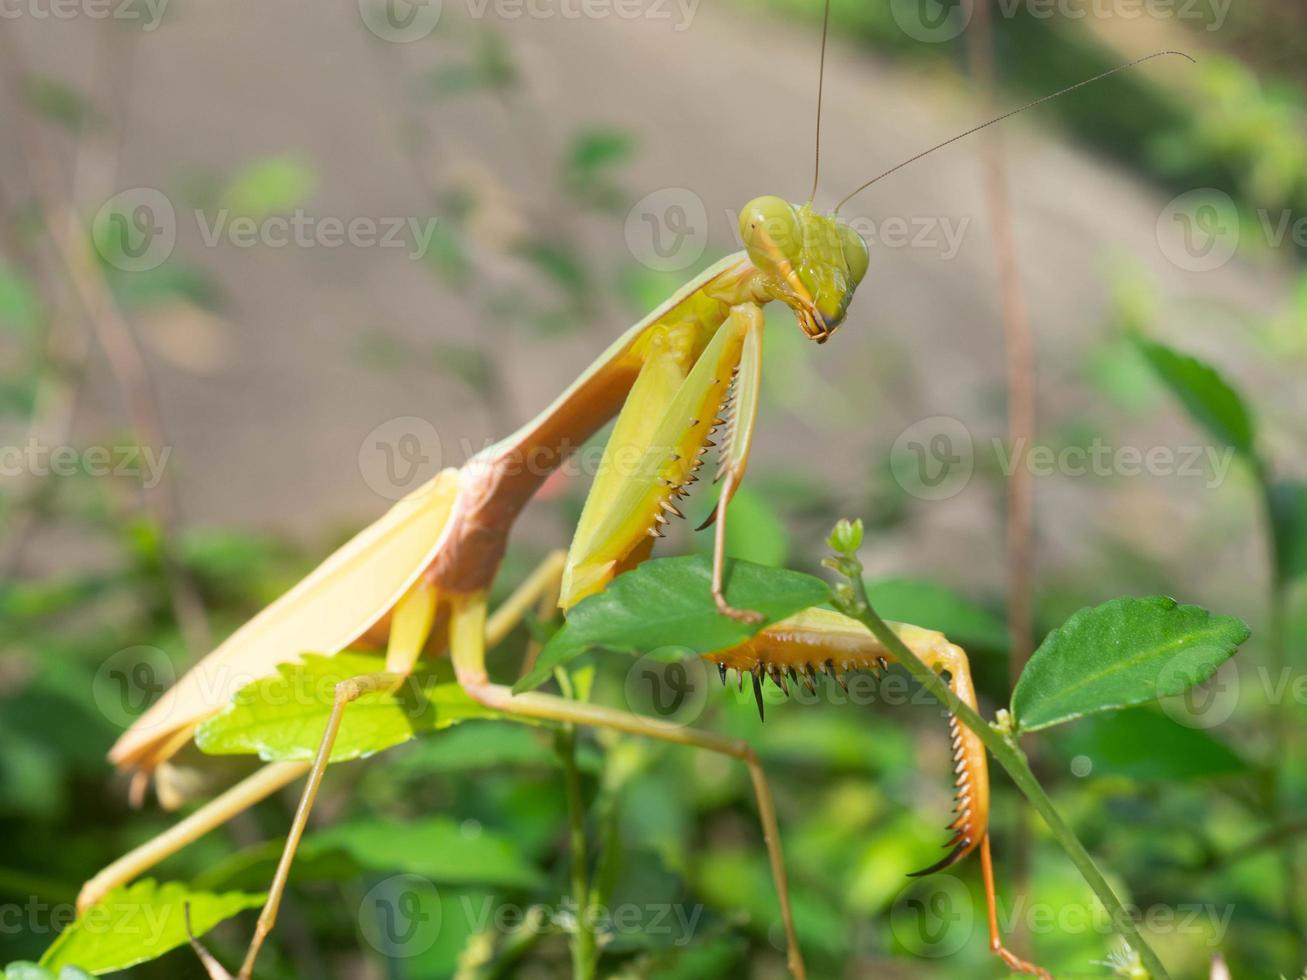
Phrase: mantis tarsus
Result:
[420,576]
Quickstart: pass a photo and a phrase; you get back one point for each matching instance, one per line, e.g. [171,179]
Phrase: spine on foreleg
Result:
[820,641]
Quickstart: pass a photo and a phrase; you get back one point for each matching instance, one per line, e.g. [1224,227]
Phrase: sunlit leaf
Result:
[668,603]
[1124,652]
[139,923]
[31,971]
[274,185]
[283,717]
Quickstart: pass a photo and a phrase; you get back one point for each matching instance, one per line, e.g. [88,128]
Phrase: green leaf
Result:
[18,301]
[668,602]
[438,848]
[31,971]
[1210,399]
[484,745]
[274,185]
[597,149]
[754,531]
[491,67]
[139,923]
[283,717]
[1124,652]
[1289,517]
[1143,744]
[59,103]
[558,263]
[937,608]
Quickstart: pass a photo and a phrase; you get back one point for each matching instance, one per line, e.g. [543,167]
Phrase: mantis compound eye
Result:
[856,256]
[770,230]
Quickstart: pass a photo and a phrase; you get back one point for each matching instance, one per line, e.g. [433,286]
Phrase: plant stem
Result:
[584,947]
[853,602]
[1282,718]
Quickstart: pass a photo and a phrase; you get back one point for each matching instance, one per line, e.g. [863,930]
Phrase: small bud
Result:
[846,537]
[845,598]
[1003,723]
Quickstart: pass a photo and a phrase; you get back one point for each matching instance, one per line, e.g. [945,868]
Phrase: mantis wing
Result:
[325,612]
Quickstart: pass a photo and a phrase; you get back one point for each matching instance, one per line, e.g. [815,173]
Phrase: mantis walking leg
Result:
[409,629]
[467,647]
[245,794]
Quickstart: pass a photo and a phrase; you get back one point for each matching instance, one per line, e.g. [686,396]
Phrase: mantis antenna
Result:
[821,79]
[1009,115]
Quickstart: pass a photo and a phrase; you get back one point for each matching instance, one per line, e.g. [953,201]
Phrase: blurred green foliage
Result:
[1193,820]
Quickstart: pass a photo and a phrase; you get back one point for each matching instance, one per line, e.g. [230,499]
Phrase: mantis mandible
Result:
[420,576]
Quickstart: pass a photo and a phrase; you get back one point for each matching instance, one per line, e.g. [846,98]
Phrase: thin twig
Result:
[68,235]
[1019,350]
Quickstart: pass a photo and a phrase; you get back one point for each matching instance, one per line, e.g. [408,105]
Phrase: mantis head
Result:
[810,262]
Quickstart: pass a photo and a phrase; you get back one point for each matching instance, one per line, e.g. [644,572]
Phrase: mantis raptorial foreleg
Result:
[823,641]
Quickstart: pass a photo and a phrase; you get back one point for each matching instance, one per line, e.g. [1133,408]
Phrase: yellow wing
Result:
[325,612]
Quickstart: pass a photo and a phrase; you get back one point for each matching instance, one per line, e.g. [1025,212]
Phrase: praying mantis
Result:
[420,576]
